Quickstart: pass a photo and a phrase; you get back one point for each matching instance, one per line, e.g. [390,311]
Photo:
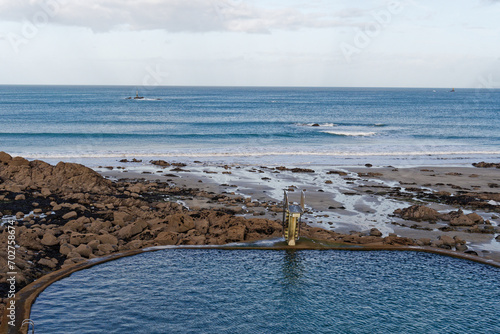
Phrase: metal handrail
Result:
[29,322]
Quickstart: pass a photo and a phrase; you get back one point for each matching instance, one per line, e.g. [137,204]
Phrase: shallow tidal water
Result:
[263,291]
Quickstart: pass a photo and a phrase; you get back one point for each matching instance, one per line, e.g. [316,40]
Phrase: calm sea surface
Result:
[409,126]
[252,291]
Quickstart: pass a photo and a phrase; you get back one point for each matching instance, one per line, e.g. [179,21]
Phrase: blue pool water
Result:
[252,124]
[259,291]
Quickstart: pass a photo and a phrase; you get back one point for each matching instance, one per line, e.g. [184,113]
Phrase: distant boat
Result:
[452,90]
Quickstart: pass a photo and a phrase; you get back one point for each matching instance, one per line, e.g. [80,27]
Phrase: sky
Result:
[334,43]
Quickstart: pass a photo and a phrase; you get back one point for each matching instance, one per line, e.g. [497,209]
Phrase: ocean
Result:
[258,291]
[330,126]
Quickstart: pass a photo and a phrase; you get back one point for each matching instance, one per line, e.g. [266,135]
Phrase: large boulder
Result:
[64,177]
[418,213]
[461,220]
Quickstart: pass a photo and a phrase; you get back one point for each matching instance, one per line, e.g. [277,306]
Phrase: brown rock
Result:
[167,238]
[461,220]
[65,249]
[78,238]
[93,244]
[107,248]
[70,215]
[107,239]
[477,219]
[236,233]
[73,254]
[180,223]
[84,250]
[419,213]
[49,240]
[46,192]
[375,232]
[20,197]
[202,226]
[5,158]
[122,218]
[131,230]
[446,240]
[47,263]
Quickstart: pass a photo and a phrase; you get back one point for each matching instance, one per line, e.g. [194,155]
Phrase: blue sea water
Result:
[258,291]
[356,125]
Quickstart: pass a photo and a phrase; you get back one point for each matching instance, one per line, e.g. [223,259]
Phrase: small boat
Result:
[452,90]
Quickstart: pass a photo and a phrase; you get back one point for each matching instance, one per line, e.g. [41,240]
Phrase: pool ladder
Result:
[291,219]
[29,322]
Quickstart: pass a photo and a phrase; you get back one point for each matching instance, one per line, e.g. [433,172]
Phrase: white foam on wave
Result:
[350,133]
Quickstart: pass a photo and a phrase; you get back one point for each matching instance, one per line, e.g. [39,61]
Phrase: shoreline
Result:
[28,295]
[82,214]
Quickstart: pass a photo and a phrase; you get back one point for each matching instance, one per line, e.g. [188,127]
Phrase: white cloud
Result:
[172,15]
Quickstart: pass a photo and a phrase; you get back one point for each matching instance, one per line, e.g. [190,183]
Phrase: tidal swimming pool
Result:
[265,291]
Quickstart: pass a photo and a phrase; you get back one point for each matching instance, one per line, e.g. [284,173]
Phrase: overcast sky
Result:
[340,43]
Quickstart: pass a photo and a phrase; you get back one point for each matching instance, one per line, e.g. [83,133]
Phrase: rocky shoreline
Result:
[68,213]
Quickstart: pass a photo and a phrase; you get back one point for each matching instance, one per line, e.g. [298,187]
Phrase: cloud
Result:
[170,15]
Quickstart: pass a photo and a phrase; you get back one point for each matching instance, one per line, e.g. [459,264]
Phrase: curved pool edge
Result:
[27,296]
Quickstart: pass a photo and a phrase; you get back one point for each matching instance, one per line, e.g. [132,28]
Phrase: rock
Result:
[477,219]
[461,220]
[202,226]
[131,230]
[46,192]
[47,263]
[180,223]
[5,158]
[121,218]
[107,239]
[424,241]
[497,238]
[483,164]
[461,248]
[73,254]
[107,248]
[84,250]
[65,249]
[167,238]
[20,197]
[375,232]
[236,233]
[135,244]
[302,170]
[160,163]
[418,213]
[70,215]
[93,244]
[78,238]
[446,240]
[49,240]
